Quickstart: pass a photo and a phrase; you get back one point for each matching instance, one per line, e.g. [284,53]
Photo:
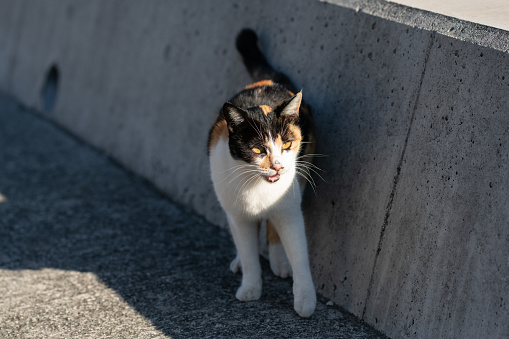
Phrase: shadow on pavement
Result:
[68,207]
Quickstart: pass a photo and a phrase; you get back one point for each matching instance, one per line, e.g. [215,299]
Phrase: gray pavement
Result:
[90,250]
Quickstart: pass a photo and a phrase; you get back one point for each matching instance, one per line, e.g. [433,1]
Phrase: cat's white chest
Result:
[260,197]
[243,191]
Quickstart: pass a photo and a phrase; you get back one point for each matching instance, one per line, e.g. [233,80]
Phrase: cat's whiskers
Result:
[234,167]
[242,166]
[303,171]
[311,155]
[308,179]
[233,180]
[233,173]
[311,167]
[247,181]
[303,168]
[251,171]
[293,188]
[246,170]
[308,164]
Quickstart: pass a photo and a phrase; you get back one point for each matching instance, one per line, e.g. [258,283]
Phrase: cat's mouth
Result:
[273,178]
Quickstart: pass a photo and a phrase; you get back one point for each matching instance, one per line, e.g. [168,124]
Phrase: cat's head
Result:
[269,138]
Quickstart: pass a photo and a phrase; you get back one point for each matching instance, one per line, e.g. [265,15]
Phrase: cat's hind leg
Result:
[279,263]
[235,265]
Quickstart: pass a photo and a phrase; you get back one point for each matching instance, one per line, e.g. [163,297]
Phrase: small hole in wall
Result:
[49,90]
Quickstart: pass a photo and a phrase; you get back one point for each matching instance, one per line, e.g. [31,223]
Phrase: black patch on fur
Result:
[249,127]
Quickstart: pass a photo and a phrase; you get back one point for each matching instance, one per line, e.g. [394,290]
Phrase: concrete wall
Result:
[409,231]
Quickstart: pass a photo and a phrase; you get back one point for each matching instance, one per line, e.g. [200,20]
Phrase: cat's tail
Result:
[255,61]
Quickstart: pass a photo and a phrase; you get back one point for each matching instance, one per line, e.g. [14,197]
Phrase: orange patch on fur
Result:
[260,83]
[297,137]
[266,163]
[272,236]
[219,131]
[266,109]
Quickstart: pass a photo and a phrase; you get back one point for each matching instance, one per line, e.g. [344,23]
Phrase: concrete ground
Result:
[90,250]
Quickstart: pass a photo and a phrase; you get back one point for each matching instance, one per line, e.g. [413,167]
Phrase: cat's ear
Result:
[234,116]
[290,108]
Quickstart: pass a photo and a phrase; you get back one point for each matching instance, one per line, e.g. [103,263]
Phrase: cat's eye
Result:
[287,145]
[256,150]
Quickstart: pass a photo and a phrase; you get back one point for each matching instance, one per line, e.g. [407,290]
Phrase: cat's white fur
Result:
[247,198]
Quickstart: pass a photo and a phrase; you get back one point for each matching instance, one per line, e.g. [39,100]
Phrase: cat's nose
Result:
[276,165]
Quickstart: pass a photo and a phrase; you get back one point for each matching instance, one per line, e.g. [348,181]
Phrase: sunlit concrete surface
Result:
[493,13]
[51,303]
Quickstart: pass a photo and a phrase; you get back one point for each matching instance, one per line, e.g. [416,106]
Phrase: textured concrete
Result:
[91,251]
[407,104]
[446,245]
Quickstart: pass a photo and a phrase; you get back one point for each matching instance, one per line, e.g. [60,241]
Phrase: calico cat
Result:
[260,148]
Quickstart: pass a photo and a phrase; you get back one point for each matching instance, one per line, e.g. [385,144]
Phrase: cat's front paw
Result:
[279,263]
[249,293]
[304,300]
[235,265]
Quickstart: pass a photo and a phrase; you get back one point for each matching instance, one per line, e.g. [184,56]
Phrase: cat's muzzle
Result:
[273,178]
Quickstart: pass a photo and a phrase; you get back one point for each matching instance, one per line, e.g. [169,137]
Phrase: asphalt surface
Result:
[89,250]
